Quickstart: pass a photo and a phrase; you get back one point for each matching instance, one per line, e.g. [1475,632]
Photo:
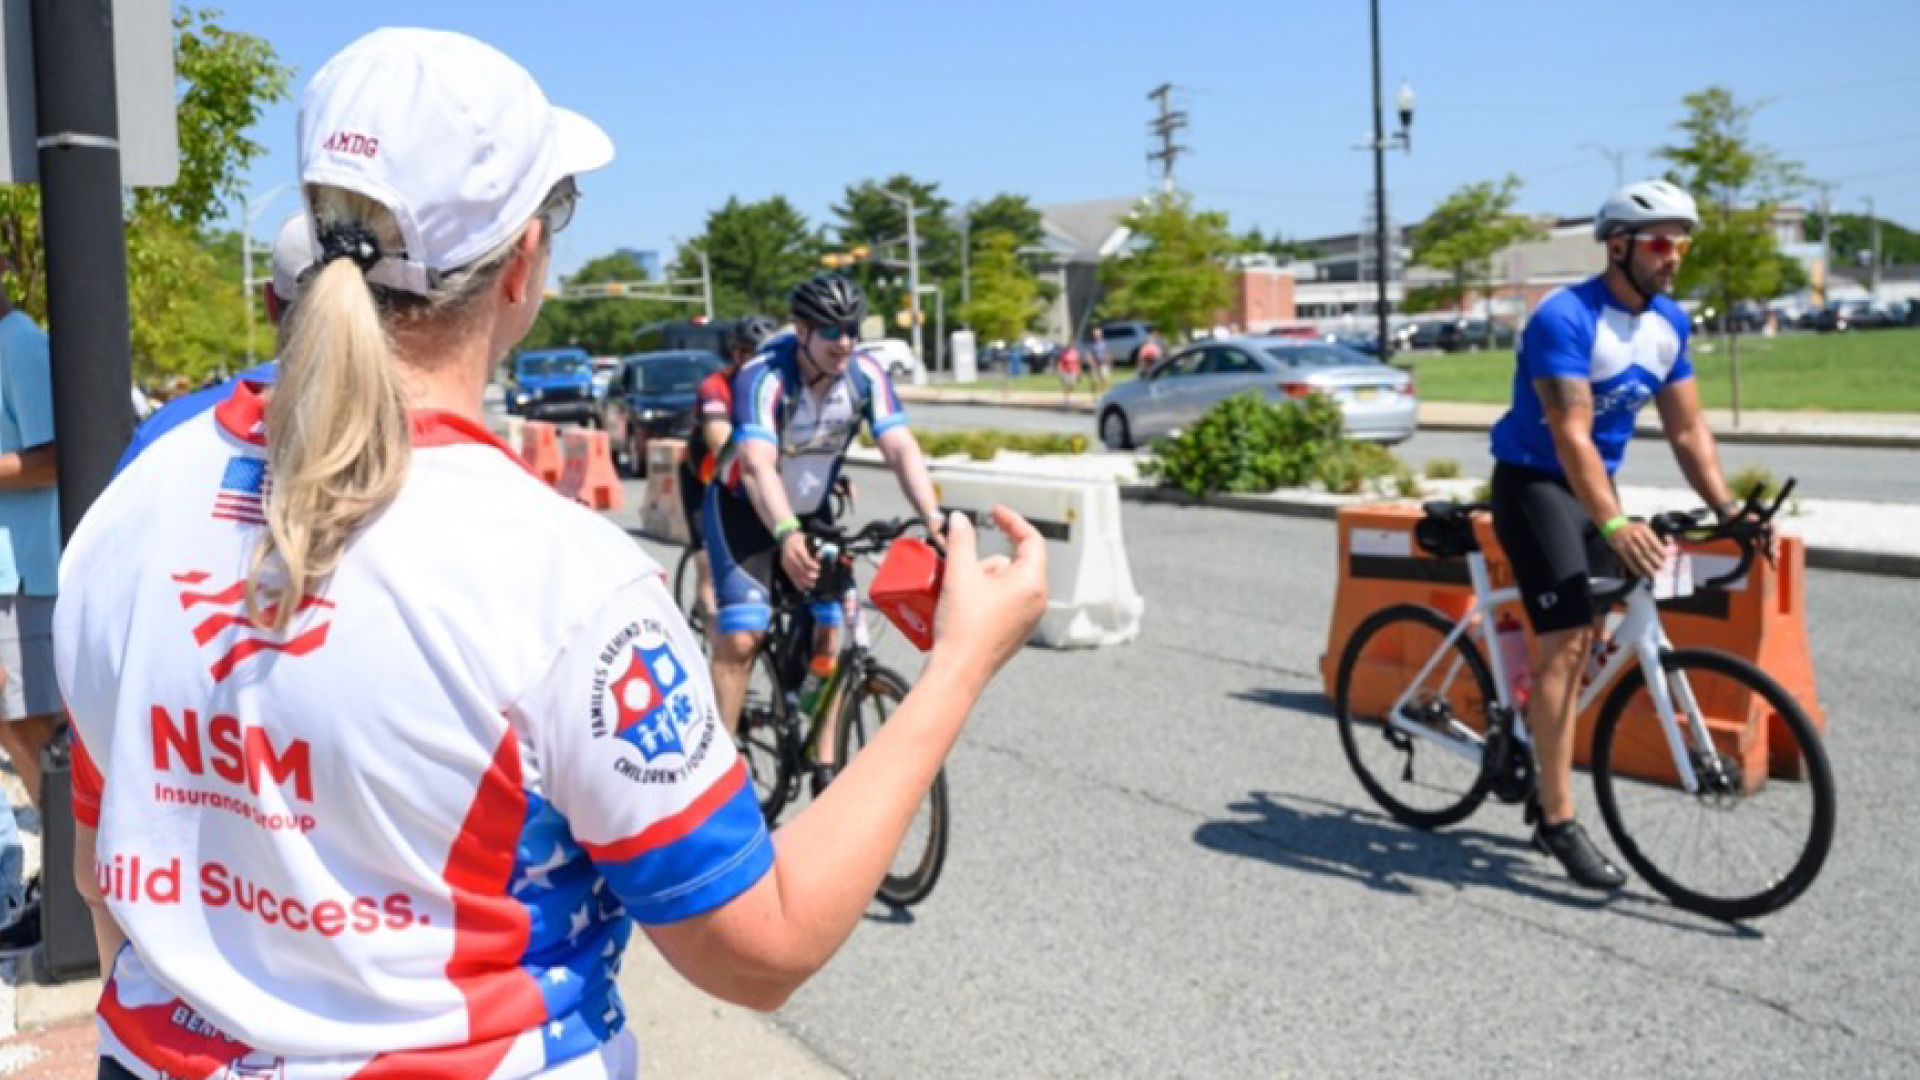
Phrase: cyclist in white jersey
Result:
[351,800]
[796,408]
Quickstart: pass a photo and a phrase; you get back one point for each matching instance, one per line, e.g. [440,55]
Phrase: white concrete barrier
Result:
[661,515]
[1091,600]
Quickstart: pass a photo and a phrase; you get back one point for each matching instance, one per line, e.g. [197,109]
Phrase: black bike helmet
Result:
[749,332]
[828,300]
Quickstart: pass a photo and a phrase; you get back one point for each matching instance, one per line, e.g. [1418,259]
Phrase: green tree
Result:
[602,325]
[1852,240]
[871,217]
[187,305]
[758,253]
[1462,234]
[1738,184]
[1011,214]
[1177,276]
[1005,294]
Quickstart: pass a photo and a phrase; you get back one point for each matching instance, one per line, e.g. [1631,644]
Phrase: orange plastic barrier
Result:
[586,470]
[540,447]
[661,515]
[1760,618]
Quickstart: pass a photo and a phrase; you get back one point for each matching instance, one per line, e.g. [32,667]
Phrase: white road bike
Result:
[1711,834]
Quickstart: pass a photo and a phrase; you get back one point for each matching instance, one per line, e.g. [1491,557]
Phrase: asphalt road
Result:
[1825,472]
[1161,866]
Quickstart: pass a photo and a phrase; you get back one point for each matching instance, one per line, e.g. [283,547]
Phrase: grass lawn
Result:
[1870,371]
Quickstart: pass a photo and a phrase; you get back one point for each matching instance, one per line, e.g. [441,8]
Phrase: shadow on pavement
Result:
[1310,702]
[1306,834]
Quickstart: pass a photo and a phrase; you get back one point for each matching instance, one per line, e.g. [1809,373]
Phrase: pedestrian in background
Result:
[1099,362]
[30,710]
[1068,367]
[462,786]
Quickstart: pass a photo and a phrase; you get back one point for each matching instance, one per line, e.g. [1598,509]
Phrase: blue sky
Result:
[750,99]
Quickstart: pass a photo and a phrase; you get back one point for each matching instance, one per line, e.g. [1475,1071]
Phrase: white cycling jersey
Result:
[407,837]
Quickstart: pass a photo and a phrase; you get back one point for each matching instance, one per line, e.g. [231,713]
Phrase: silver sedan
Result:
[1376,399]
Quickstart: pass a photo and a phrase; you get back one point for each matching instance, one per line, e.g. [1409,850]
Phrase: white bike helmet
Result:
[1647,202]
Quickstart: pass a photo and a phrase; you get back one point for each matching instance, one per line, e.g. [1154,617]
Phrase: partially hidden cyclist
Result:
[1591,355]
[712,428]
[796,408]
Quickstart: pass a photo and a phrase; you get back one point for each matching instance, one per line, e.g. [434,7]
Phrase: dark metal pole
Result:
[86,258]
[86,246]
[1379,198]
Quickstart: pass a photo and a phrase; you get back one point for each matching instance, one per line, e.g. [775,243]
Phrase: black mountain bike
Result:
[781,745]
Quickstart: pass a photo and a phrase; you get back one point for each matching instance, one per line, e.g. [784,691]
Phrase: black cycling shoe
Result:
[1584,863]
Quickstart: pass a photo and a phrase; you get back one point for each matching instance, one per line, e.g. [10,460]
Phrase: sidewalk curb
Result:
[1878,563]
[1846,439]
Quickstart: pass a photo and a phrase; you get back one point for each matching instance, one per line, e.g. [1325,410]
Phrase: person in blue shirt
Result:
[30,709]
[1591,355]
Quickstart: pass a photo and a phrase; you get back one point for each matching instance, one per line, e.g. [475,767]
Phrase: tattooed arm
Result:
[1568,405]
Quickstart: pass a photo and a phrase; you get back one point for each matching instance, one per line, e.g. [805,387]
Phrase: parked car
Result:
[603,369]
[1851,315]
[1419,334]
[552,384]
[1377,400]
[1360,341]
[1125,338]
[652,397]
[895,356]
[1463,334]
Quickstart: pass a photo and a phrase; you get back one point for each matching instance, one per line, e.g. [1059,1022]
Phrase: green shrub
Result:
[1751,477]
[1442,469]
[984,443]
[1245,444]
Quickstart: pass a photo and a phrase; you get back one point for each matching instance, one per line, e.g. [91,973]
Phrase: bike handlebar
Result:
[1750,528]
[871,538]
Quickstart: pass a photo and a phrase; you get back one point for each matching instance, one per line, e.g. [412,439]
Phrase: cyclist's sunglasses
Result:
[1663,245]
[835,333]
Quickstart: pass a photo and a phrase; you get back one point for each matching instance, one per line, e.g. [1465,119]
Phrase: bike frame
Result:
[1640,627]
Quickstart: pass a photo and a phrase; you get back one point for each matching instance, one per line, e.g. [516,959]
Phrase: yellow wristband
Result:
[1613,525]
[784,526]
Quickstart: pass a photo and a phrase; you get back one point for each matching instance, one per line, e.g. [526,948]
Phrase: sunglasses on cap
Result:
[836,333]
[1663,245]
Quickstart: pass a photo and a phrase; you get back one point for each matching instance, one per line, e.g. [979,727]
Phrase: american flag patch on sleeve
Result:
[243,491]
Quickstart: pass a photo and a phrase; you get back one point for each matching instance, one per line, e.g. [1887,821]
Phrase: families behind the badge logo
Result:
[349,799]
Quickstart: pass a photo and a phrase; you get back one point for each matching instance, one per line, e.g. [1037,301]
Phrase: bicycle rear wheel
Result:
[766,737]
[1434,774]
[923,851]
[1752,838]
[686,593]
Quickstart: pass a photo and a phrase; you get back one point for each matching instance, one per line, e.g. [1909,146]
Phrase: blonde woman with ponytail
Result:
[383,748]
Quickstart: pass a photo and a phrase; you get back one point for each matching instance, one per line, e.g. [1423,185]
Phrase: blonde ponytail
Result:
[338,441]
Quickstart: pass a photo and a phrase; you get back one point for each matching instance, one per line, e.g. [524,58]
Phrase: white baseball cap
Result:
[449,134]
[293,252]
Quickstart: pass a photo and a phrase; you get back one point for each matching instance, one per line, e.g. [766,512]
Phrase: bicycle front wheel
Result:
[1752,838]
[923,851]
[766,737]
[1428,770]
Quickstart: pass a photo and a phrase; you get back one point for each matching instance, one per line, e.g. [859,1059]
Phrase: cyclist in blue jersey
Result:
[1591,355]
[797,406]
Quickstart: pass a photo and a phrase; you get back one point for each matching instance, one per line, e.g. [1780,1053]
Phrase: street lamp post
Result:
[913,270]
[249,210]
[1403,101]
[1618,157]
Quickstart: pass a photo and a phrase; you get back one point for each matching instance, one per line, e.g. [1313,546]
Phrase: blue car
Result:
[553,384]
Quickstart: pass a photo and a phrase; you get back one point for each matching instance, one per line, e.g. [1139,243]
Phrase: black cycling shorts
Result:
[692,493]
[1551,544]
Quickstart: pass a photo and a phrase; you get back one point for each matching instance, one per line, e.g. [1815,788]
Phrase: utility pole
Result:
[1403,101]
[706,282]
[1826,243]
[1618,157]
[913,269]
[1169,121]
[1873,266]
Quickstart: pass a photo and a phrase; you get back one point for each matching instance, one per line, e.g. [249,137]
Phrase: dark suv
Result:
[652,397]
[552,384]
